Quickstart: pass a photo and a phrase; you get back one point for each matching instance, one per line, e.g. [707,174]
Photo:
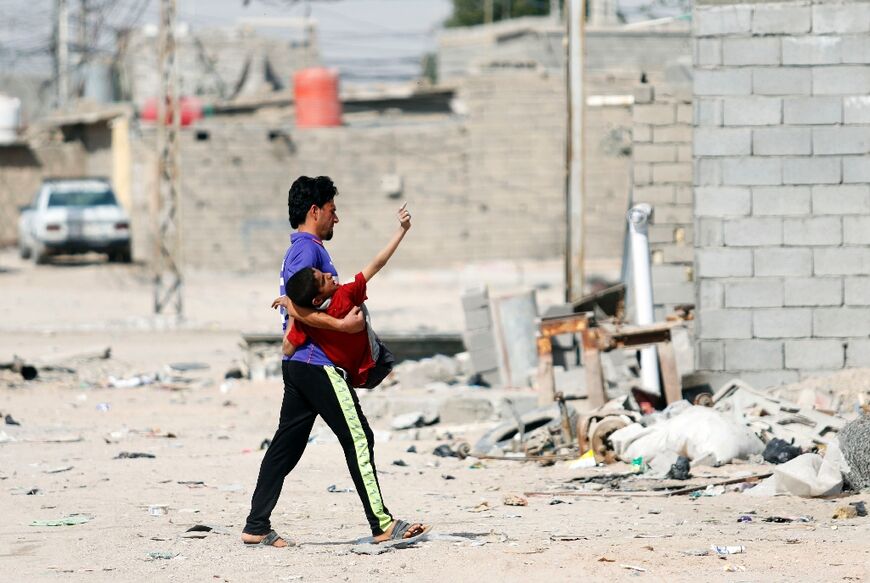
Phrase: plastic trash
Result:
[134,455]
[587,460]
[11,421]
[808,475]
[332,488]
[728,550]
[680,469]
[779,451]
[71,520]
[444,450]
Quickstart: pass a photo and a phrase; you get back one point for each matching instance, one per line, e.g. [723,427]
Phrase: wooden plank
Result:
[546,382]
[595,395]
[673,386]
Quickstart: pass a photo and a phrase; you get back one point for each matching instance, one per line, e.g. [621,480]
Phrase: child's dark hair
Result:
[302,288]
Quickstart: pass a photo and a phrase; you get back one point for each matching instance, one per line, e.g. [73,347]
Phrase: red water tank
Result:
[191,110]
[315,91]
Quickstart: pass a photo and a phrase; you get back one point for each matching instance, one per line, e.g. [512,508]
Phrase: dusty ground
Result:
[52,310]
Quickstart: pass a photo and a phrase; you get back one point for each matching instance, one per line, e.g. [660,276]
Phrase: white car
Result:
[74,215]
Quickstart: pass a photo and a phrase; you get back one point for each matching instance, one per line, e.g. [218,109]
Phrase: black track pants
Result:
[309,391]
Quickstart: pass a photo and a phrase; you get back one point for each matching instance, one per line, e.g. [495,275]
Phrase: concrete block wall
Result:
[662,177]
[782,188]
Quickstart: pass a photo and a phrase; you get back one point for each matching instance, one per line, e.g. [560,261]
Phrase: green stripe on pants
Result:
[361,446]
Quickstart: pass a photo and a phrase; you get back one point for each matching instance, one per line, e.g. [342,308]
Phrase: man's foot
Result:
[412,530]
[271,539]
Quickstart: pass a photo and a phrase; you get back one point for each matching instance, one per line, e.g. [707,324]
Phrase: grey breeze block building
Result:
[781,153]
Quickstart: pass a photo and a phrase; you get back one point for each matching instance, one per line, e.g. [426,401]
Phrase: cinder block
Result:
[753,355]
[841,140]
[753,232]
[811,50]
[841,322]
[856,169]
[780,200]
[684,153]
[751,51]
[672,214]
[841,80]
[856,231]
[682,293]
[708,111]
[724,262]
[679,253]
[684,113]
[814,291]
[710,233]
[677,172]
[857,291]
[711,294]
[654,153]
[841,18]
[815,170]
[814,354]
[674,133]
[782,323]
[723,201]
[813,231]
[644,94]
[708,52]
[711,356]
[708,172]
[671,274]
[641,133]
[655,114]
[722,141]
[684,194]
[856,49]
[781,81]
[752,171]
[654,194]
[758,292]
[642,173]
[764,380]
[475,299]
[724,324]
[781,18]
[727,82]
[812,110]
[856,109]
[480,339]
[752,111]
[841,261]
[477,319]
[845,199]
[782,141]
[720,20]
[858,353]
[786,262]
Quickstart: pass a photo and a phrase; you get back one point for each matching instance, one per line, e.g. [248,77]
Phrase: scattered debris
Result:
[728,550]
[606,560]
[414,419]
[336,490]
[203,530]
[162,555]
[744,518]
[103,407]
[192,483]
[188,366]
[851,510]
[57,470]
[444,450]
[514,500]
[786,519]
[265,444]
[11,421]
[370,549]
[854,440]
[482,507]
[411,449]
[131,382]
[778,451]
[634,568]
[134,455]
[448,477]
[26,492]
[71,520]
[808,475]
[680,469]
[158,509]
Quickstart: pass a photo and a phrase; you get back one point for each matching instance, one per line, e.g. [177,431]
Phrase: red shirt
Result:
[349,351]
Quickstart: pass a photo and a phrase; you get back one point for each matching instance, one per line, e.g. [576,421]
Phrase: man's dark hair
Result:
[302,288]
[306,191]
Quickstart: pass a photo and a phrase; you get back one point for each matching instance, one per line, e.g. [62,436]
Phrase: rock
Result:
[855,445]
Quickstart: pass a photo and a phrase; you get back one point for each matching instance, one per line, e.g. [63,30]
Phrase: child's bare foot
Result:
[406,530]
[272,539]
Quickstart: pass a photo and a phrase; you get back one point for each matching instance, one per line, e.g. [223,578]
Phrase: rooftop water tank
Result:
[315,92]
[10,118]
[191,110]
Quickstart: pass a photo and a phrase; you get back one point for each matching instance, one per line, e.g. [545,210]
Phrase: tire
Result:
[38,254]
[23,251]
[121,255]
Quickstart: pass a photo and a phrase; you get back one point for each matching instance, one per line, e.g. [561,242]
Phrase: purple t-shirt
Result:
[305,250]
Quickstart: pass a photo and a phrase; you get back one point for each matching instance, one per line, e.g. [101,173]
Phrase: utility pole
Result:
[166,201]
[574,276]
[62,52]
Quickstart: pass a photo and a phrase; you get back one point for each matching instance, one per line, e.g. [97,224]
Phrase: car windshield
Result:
[82,198]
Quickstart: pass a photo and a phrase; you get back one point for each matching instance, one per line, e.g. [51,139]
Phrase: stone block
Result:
[722,141]
[857,291]
[780,200]
[858,353]
[752,111]
[708,111]
[711,356]
[781,18]
[814,170]
[723,201]
[654,153]
[477,318]
[848,17]
[752,171]
[841,80]
[856,109]
[641,173]
[841,199]
[711,294]
[841,140]
[841,261]
[654,194]
[782,323]
[751,51]
[814,291]
[708,52]
[814,354]
[787,262]
[782,141]
[475,299]
[681,293]
[841,322]
[484,359]
[670,274]
[753,232]
[724,324]
[812,50]
[644,94]
[727,82]
[757,292]
[673,133]
[856,49]
[812,110]
[724,262]
[710,233]
[720,20]
[753,355]
[708,172]
[781,81]
[655,114]
[856,169]
[641,133]
[684,153]
[813,231]
[684,113]
[856,231]
[481,339]
[764,380]
[677,172]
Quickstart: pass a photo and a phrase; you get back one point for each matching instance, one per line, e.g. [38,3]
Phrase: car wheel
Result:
[38,254]
[122,255]
[24,251]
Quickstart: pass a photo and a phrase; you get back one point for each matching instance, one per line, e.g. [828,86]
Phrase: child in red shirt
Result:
[313,288]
